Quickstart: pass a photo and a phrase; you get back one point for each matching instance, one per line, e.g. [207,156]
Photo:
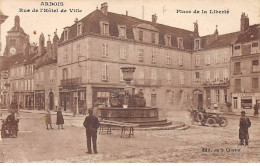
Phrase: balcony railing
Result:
[147,82]
[223,83]
[71,81]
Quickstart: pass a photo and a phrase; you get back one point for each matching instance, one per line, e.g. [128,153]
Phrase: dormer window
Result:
[168,40]
[79,29]
[180,42]
[141,35]
[152,37]
[255,48]
[66,34]
[122,31]
[104,27]
[196,44]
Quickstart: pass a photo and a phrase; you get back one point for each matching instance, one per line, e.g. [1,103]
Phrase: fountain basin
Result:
[128,113]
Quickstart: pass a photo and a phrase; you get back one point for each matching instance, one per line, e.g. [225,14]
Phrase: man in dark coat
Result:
[91,124]
[243,128]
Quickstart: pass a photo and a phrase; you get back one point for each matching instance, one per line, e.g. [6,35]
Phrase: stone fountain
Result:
[130,107]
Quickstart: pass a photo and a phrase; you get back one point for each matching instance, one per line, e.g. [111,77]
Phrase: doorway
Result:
[153,100]
[200,100]
[51,100]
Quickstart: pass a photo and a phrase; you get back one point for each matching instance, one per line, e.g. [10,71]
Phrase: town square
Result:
[129,82]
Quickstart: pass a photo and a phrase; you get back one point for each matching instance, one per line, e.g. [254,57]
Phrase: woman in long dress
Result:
[60,120]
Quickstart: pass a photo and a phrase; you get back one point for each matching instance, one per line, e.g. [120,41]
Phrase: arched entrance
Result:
[51,100]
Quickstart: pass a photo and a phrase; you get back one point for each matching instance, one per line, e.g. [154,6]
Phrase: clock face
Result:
[12,51]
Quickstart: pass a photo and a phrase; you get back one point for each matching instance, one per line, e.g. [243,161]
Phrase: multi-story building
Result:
[18,67]
[245,68]
[211,70]
[46,89]
[92,50]
[9,78]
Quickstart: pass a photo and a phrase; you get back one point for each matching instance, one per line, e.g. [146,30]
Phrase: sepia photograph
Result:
[141,81]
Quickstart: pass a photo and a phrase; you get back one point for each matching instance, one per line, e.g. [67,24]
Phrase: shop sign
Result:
[248,94]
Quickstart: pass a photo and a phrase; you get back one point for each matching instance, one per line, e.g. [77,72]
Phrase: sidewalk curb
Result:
[234,114]
[44,112]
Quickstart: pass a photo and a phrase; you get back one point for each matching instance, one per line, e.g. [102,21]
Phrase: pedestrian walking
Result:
[60,120]
[48,120]
[243,128]
[91,124]
[256,109]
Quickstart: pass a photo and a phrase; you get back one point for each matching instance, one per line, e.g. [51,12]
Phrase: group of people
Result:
[91,123]
[59,121]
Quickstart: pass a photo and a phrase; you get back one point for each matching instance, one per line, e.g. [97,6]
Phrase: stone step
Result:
[133,120]
[155,124]
[175,125]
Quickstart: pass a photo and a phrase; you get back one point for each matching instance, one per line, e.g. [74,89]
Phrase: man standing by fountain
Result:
[91,124]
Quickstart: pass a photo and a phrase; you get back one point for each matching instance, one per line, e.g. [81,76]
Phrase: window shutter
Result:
[179,77]
[212,96]
[184,96]
[103,49]
[103,72]
[107,73]
[180,59]
[221,93]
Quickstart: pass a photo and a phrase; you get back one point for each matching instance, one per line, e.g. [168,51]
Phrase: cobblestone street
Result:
[36,144]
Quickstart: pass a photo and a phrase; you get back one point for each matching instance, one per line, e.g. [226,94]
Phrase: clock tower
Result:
[16,39]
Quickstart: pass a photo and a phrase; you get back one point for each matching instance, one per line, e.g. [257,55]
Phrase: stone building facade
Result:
[46,89]
[89,60]
[245,68]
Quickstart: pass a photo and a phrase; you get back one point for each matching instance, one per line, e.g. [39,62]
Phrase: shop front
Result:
[39,99]
[101,95]
[244,101]
[73,99]
[29,100]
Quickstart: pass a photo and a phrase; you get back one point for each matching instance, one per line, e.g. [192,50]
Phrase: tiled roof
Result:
[17,29]
[12,60]
[18,59]
[253,33]
[91,24]
[45,60]
[30,59]
[222,40]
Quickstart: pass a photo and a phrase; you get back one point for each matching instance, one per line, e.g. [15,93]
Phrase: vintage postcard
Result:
[141,81]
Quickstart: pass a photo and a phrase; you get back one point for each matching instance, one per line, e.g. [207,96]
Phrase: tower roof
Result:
[17,27]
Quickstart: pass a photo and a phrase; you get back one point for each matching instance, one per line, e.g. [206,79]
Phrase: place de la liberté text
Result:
[202,11]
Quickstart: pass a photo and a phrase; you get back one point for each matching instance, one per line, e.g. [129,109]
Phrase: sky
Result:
[166,11]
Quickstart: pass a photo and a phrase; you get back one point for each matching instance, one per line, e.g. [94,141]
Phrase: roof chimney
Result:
[104,7]
[126,13]
[216,32]
[196,29]
[154,19]
[76,20]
